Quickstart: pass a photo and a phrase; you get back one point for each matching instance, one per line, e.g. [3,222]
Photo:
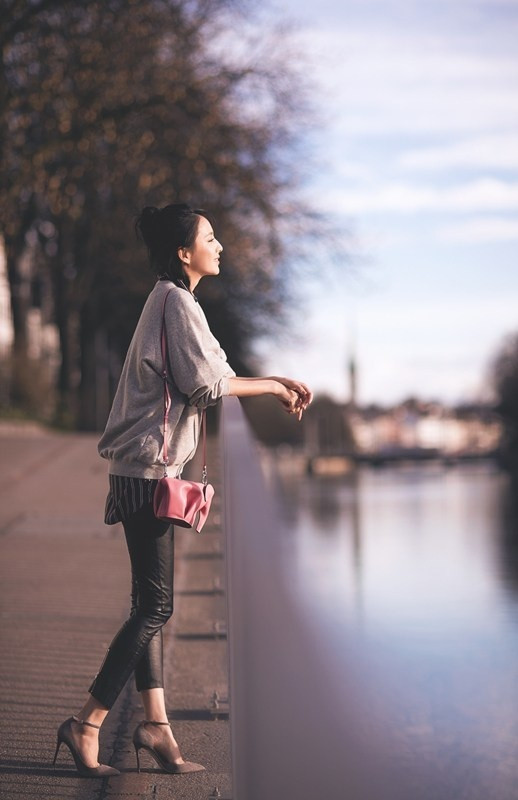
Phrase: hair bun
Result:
[147,223]
[149,215]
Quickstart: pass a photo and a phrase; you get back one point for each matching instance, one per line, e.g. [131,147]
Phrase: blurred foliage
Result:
[324,429]
[505,381]
[271,424]
[109,106]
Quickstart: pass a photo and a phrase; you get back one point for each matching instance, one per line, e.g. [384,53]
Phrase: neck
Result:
[193,280]
[184,285]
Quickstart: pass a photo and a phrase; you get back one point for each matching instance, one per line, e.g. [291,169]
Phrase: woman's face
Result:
[203,257]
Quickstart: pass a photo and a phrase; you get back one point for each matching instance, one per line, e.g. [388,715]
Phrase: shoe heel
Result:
[138,758]
[60,741]
[64,735]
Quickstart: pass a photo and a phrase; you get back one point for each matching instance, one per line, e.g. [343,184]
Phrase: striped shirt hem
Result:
[127,496]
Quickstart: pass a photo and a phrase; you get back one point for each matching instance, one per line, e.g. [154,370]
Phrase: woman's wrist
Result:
[252,387]
[275,387]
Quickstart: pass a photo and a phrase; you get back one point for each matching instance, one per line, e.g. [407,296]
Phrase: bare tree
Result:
[108,106]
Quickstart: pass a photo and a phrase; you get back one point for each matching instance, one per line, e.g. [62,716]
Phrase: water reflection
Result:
[412,573]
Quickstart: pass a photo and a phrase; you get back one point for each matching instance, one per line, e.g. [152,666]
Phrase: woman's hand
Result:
[295,396]
[297,386]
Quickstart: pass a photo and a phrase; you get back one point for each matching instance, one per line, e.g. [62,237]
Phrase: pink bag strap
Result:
[167,403]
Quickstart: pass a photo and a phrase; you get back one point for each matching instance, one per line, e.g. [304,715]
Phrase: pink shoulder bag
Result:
[184,503]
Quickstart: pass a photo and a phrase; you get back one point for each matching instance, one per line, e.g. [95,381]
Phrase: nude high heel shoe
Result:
[65,735]
[143,740]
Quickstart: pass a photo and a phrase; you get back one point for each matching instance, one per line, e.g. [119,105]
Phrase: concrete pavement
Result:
[64,591]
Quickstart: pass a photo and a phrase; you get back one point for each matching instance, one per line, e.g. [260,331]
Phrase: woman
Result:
[182,249]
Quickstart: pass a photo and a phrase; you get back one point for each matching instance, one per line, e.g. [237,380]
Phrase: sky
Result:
[417,157]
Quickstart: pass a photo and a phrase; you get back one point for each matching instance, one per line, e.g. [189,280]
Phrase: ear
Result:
[184,255]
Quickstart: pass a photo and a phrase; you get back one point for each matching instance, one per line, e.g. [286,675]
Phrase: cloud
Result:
[393,81]
[496,152]
[460,315]
[484,194]
[480,230]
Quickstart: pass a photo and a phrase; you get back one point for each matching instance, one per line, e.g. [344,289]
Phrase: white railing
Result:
[297,731]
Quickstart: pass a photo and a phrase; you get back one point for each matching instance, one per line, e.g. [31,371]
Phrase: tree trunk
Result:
[66,318]
[20,299]
[91,370]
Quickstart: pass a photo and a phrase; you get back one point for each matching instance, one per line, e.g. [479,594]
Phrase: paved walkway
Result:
[64,591]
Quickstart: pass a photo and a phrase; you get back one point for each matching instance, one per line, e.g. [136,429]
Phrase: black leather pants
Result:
[137,646]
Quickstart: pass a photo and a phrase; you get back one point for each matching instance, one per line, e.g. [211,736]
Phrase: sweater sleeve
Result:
[198,365]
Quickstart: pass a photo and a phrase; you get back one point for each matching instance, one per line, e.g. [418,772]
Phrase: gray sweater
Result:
[198,376]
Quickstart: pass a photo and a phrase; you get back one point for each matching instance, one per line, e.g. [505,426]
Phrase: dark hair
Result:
[164,231]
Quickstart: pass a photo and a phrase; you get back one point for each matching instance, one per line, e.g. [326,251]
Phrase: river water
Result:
[411,574]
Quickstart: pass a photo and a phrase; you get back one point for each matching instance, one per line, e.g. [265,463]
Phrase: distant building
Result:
[352,382]
[411,427]
[427,426]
